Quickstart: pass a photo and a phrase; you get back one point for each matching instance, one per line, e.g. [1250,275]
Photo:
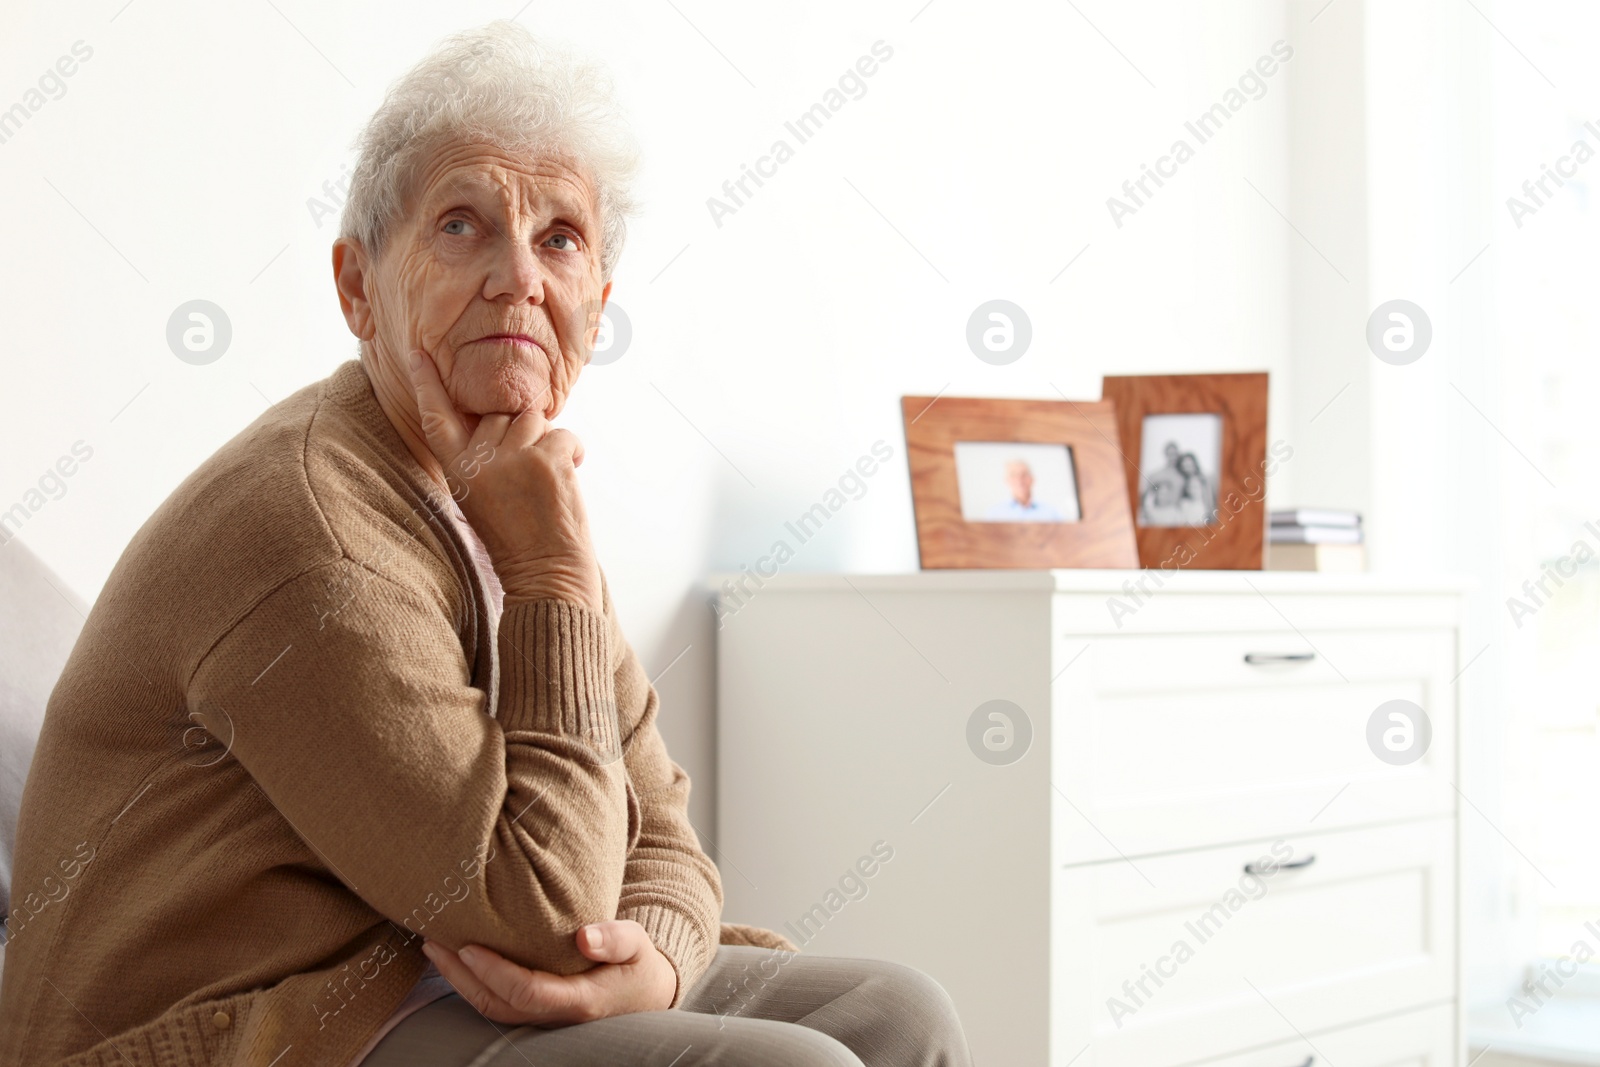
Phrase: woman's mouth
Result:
[518,340]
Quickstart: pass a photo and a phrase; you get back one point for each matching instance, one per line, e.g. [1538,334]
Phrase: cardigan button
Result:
[221,1020]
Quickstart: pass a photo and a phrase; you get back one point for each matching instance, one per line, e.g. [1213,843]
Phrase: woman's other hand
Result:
[632,976]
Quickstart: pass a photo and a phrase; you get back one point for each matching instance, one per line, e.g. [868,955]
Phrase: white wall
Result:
[1330,391]
[180,159]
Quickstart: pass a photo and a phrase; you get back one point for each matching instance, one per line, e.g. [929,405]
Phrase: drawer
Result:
[1176,959]
[1167,742]
[1424,1038]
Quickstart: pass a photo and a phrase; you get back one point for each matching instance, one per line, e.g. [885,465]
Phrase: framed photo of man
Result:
[1194,451]
[1017,483]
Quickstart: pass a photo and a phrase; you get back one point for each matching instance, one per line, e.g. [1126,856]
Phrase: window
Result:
[1545,143]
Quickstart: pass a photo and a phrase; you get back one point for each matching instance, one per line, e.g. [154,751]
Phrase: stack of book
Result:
[1315,539]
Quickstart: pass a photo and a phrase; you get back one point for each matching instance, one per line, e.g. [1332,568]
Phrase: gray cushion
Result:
[39,621]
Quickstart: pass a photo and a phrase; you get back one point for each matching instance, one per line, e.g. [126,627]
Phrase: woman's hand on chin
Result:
[632,976]
[515,479]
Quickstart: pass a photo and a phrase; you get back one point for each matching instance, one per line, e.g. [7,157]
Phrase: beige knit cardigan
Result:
[287,747]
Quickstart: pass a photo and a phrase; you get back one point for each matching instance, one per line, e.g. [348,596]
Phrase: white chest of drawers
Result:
[1174,845]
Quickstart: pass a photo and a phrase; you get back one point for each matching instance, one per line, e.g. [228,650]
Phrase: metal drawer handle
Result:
[1251,868]
[1256,658]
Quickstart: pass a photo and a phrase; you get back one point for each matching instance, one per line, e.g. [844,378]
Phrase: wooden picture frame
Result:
[1218,520]
[975,504]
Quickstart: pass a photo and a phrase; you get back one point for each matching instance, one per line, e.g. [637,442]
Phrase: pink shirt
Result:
[432,985]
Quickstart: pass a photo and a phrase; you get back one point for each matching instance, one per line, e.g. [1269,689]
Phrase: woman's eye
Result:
[570,245]
[457,227]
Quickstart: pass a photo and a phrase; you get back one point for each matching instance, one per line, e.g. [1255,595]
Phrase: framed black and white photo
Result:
[1194,451]
[1180,466]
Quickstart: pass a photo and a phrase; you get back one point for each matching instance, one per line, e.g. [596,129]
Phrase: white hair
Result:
[497,86]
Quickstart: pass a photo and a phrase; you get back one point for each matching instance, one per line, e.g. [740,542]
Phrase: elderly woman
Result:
[352,762]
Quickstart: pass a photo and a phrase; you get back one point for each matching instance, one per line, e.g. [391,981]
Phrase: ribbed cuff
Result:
[676,937]
[554,672]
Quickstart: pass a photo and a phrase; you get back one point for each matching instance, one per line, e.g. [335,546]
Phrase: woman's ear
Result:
[350,274]
[591,331]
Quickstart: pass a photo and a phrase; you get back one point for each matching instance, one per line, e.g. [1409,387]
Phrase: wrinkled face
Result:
[1020,479]
[494,270]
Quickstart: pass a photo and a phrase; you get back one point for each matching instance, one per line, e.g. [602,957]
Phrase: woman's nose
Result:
[516,275]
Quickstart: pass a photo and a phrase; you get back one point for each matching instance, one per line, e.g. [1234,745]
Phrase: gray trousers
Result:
[754,1007]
